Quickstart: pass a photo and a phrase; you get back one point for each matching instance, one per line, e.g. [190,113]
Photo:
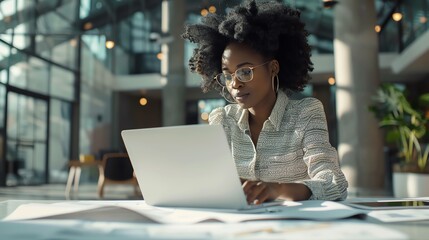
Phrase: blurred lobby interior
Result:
[75,73]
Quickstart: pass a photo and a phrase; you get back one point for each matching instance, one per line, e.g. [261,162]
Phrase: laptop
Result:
[188,166]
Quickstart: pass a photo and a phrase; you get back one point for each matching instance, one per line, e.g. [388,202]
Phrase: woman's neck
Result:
[258,115]
[261,112]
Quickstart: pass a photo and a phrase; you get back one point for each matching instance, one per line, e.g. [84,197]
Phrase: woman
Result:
[258,57]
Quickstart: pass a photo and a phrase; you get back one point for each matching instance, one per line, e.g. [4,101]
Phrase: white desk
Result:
[412,230]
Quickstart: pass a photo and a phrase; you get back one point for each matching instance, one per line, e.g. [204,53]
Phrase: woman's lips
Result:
[241,96]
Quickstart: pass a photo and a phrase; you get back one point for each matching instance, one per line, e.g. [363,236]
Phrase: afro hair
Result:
[274,30]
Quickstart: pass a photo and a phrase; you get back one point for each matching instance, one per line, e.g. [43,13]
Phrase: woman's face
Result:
[258,92]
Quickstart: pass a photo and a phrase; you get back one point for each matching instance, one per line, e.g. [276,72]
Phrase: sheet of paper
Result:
[400,215]
[83,230]
[306,210]
[135,211]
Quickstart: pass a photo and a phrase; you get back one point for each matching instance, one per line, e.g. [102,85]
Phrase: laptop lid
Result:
[185,166]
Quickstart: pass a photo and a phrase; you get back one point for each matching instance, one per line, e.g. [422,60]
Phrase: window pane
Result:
[53,23]
[2,104]
[38,76]
[18,75]
[59,31]
[26,137]
[32,75]
[64,53]
[12,116]
[46,44]
[40,114]
[25,118]
[59,140]
[96,44]
[7,7]
[38,168]
[3,76]
[68,10]
[4,51]
[85,7]
[62,83]
[20,39]
[7,36]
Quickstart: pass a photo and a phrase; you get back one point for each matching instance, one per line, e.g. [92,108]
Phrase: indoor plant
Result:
[406,127]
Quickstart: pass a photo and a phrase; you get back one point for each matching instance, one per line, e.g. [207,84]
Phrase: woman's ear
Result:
[275,67]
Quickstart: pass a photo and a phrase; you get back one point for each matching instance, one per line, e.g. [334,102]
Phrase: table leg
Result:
[70,178]
[76,179]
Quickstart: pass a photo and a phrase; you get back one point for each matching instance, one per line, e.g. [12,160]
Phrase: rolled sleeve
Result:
[327,181]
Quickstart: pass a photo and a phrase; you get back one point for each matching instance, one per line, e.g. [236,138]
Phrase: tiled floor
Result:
[57,192]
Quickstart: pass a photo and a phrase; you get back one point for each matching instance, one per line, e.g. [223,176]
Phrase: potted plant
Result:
[406,127]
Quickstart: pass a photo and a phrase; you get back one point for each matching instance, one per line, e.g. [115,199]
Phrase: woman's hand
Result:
[258,192]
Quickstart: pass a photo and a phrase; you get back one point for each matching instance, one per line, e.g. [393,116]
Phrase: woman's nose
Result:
[236,83]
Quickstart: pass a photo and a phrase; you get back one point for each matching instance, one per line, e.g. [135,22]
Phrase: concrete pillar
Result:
[360,144]
[172,64]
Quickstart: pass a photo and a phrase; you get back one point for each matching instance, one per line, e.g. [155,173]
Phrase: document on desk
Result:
[138,211]
[300,229]
[400,215]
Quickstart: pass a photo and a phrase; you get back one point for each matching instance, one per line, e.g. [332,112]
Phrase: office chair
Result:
[116,168]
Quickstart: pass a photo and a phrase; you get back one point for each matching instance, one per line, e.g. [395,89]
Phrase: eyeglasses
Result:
[244,74]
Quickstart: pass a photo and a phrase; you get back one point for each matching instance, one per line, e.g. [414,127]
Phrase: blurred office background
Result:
[74,73]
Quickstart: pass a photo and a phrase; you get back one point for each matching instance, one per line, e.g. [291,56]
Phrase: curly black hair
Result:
[274,30]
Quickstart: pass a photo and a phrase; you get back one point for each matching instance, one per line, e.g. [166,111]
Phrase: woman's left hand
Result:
[258,192]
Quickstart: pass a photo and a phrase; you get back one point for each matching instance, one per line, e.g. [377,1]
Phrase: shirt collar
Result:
[243,120]
[279,108]
[275,117]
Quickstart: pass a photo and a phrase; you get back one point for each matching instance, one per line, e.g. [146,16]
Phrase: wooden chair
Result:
[116,168]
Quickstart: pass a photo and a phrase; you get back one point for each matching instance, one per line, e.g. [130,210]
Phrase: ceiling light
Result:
[143,101]
[212,9]
[377,28]
[204,12]
[397,16]
[87,26]
[110,44]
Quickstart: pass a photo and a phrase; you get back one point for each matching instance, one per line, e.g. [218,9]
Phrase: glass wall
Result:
[59,139]
[38,68]
[401,23]
[26,139]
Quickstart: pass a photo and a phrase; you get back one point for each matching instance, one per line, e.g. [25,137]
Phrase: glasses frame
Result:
[217,77]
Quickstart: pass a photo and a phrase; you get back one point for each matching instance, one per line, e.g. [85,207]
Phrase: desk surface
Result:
[411,230]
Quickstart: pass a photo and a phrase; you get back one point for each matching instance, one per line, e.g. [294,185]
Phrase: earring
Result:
[225,94]
[276,78]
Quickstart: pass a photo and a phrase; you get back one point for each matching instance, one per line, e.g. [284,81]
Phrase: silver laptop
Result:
[186,166]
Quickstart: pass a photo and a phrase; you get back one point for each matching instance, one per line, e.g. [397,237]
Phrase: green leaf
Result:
[424,100]
[405,125]
[393,136]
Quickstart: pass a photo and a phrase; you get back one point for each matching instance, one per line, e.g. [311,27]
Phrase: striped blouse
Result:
[293,146]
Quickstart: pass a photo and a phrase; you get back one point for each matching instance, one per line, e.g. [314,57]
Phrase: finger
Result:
[248,185]
[263,196]
[255,192]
